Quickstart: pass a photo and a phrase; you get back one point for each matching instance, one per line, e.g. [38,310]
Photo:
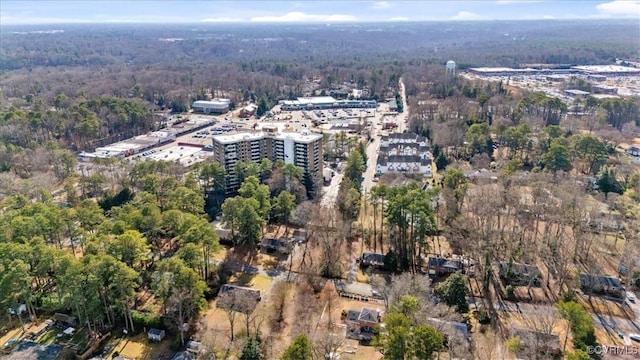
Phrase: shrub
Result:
[147,320]
[510,291]
[483,317]
[176,344]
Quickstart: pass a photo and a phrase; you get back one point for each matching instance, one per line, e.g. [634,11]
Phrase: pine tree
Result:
[252,349]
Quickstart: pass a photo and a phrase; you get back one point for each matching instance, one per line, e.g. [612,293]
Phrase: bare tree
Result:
[279,296]
[182,305]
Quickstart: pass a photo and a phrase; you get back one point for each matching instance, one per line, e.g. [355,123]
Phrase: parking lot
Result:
[194,147]
[330,120]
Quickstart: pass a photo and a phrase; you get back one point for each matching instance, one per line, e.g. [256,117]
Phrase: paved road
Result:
[402,123]
[330,193]
[372,156]
[373,146]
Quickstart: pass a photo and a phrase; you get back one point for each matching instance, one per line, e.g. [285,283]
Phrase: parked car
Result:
[631,297]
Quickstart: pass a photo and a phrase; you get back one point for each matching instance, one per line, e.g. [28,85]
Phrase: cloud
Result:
[399,18]
[618,8]
[379,5]
[222,20]
[303,17]
[466,15]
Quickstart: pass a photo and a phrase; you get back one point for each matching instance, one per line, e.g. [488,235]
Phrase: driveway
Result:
[330,193]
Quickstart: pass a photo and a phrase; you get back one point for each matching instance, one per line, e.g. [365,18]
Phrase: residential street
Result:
[373,146]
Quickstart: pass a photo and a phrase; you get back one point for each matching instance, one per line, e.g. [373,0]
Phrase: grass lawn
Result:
[139,348]
[258,282]
[261,282]
[49,337]
[363,353]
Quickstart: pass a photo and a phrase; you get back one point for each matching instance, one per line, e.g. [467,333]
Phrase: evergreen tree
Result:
[441,162]
[263,106]
[300,349]
[454,292]
[309,185]
[252,349]
[607,181]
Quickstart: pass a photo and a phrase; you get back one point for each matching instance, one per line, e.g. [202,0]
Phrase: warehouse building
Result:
[324,102]
[215,106]
[596,72]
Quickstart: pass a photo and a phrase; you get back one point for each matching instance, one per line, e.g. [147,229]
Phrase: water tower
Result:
[451,67]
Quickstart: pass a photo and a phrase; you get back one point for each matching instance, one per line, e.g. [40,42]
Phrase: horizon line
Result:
[356,22]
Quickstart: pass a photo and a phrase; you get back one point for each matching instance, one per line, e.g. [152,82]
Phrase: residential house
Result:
[438,266]
[372,259]
[517,274]
[65,319]
[362,325]
[449,328]
[280,246]
[299,236]
[602,285]
[536,344]
[238,298]
[156,334]
[634,151]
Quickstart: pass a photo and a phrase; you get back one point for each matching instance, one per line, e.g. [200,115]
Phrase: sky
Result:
[13,12]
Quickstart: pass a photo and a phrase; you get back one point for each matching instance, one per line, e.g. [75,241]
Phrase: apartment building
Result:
[303,149]
[404,152]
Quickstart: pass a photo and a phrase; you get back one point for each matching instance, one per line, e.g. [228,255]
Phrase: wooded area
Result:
[120,244]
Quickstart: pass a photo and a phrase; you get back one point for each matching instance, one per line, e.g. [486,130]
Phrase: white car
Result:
[631,297]
[634,337]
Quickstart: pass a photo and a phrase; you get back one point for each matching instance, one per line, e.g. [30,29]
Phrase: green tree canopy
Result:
[591,151]
[607,181]
[478,137]
[300,349]
[558,157]
[252,349]
[454,291]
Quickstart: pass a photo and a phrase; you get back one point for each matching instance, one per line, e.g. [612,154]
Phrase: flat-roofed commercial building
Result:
[303,149]
[324,102]
[215,106]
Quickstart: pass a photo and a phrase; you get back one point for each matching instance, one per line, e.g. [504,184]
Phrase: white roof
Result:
[576,92]
[175,153]
[204,103]
[607,68]
[500,69]
[303,137]
[317,99]
[233,138]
